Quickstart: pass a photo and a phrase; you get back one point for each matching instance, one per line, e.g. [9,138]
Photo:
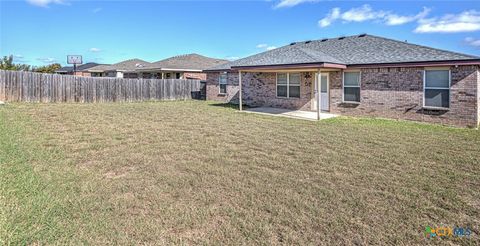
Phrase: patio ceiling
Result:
[291,67]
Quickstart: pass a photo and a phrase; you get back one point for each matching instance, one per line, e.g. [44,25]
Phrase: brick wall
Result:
[213,89]
[395,93]
[398,93]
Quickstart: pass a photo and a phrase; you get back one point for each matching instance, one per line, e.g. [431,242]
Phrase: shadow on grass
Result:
[228,105]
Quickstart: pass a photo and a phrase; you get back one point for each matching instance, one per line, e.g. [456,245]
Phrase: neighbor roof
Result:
[125,66]
[351,50]
[82,67]
[185,62]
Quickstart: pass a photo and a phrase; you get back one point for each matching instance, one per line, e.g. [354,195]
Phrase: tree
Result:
[48,68]
[6,63]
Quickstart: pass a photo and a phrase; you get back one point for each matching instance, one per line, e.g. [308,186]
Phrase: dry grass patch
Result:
[196,172]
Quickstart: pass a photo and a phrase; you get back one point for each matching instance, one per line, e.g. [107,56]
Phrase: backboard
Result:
[74,59]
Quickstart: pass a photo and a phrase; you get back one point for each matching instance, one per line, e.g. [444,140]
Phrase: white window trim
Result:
[220,83]
[437,88]
[349,86]
[288,86]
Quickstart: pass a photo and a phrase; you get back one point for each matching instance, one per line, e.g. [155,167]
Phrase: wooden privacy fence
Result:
[19,86]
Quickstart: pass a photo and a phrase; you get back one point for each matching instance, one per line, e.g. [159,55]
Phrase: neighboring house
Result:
[124,69]
[81,70]
[188,66]
[361,75]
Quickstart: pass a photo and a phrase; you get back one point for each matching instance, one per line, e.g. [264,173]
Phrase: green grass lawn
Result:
[198,173]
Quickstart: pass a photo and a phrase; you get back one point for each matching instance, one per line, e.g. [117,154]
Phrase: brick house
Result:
[81,70]
[123,69]
[361,75]
[189,66]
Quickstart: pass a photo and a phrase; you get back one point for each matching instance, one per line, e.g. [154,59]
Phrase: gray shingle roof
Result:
[127,65]
[352,50]
[100,68]
[82,67]
[130,65]
[187,62]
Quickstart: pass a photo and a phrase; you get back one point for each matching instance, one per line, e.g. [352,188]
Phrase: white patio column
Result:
[318,80]
[240,86]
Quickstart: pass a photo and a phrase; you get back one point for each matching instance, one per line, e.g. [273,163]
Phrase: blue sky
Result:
[39,32]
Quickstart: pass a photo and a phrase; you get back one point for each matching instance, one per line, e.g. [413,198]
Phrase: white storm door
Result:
[324,92]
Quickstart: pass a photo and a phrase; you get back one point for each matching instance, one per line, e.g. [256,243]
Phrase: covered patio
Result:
[289,113]
[318,99]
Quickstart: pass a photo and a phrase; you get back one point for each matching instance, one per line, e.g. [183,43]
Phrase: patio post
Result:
[240,92]
[317,92]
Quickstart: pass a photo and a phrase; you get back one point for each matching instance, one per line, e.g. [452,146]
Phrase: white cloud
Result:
[47,60]
[472,41]
[19,58]
[291,3]
[367,13]
[95,50]
[44,3]
[331,17]
[362,13]
[266,46]
[467,21]
[96,10]
[393,19]
[232,58]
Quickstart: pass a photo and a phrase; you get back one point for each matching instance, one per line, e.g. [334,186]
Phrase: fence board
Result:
[20,86]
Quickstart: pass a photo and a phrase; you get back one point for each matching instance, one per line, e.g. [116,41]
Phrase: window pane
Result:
[323,83]
[282,78]
[352,78]
[436,78]
[351,94]
[223,88]
[437,98]
[294,91]
[223,79]
[294,79]
[281,91]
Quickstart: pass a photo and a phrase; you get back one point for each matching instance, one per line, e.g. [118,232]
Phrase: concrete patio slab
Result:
[297,114]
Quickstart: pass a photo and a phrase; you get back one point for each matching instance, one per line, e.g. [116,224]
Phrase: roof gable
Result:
[79,67]
[130,65]
[127,65]
[187,62]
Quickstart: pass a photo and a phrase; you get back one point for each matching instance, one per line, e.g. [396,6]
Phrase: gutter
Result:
[418,64]
[168,69]
[292,66]
[342,66]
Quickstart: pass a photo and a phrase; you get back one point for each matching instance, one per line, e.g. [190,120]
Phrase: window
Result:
[177,75]
[222,83]
[288,85]
[282,85]
[294,85]
[351,86]
[437,88]
[147,75]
